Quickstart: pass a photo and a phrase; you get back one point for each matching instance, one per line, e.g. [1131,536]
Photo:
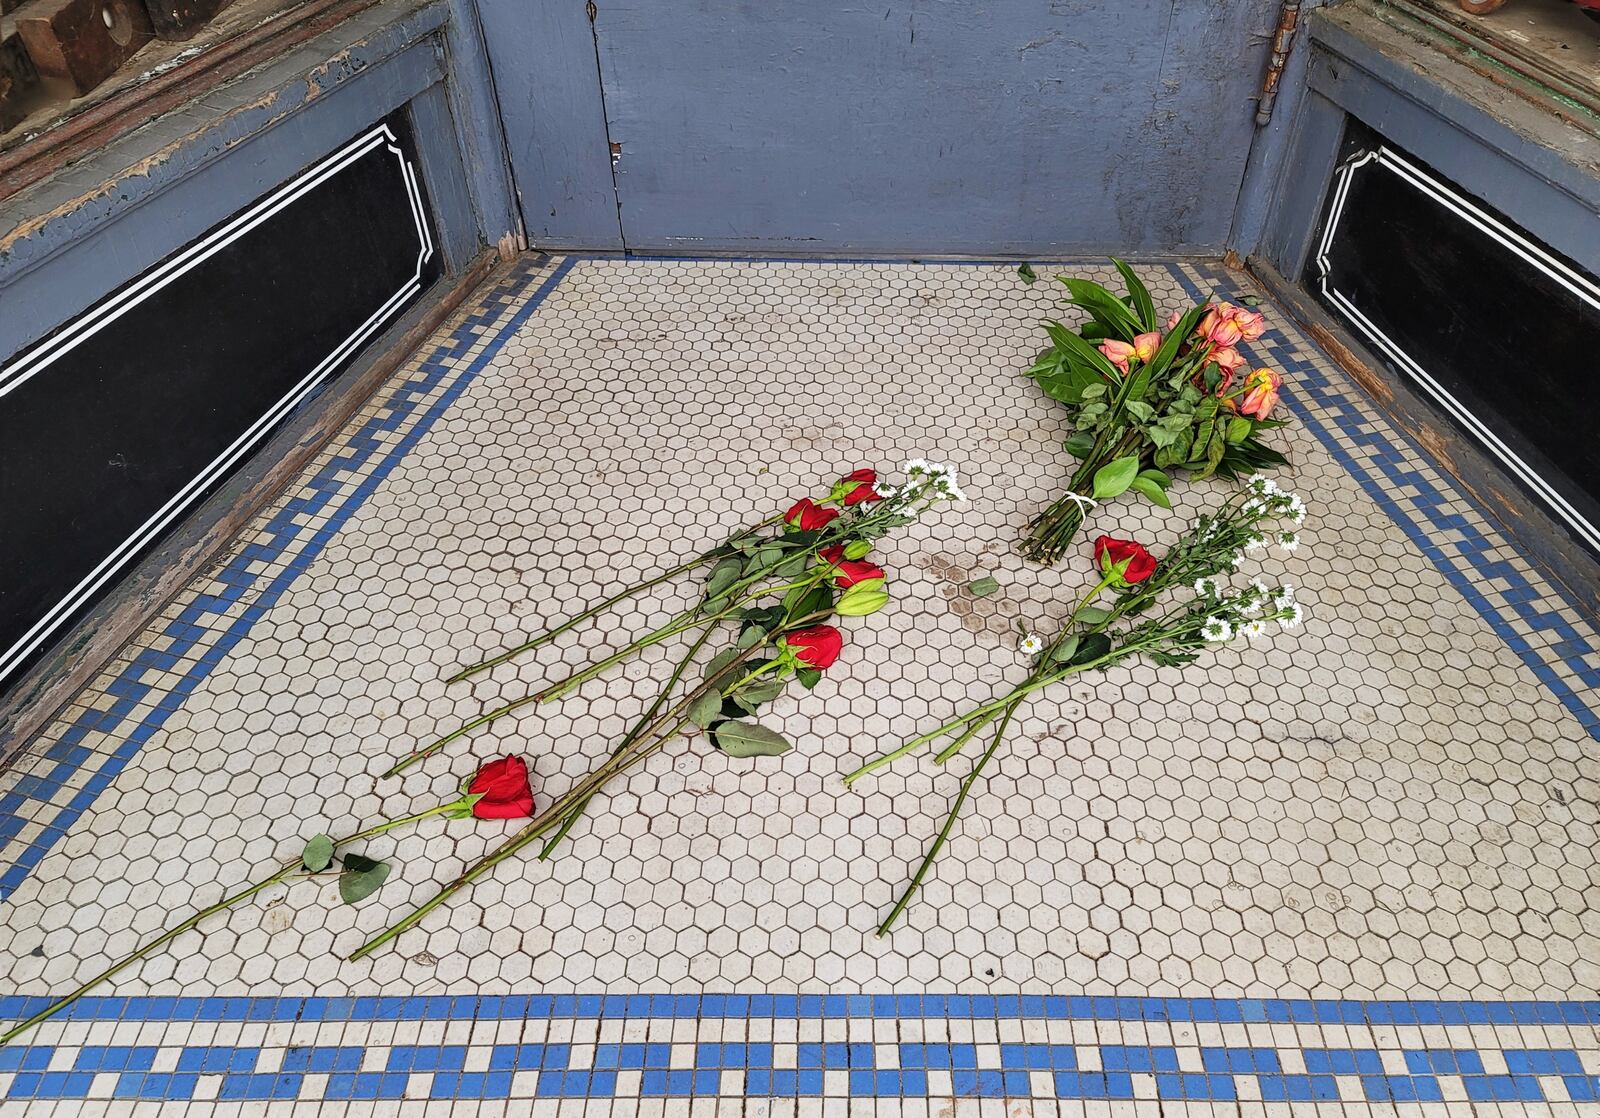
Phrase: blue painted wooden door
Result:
[1033,127]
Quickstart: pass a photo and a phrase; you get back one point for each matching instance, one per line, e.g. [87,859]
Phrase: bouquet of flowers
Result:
[1146,399]
[1207,613]
[777,590]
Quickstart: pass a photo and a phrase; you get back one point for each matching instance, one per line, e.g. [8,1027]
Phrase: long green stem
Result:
[630,737]
[950,821]
[572,622]
[287,871]
[654,737]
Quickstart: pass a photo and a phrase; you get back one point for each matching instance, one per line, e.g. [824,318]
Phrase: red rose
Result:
[1109,552]
[868,476]
[817,647]
[852,571]
[504,788]
[864,493]
[833,553]
[807,515]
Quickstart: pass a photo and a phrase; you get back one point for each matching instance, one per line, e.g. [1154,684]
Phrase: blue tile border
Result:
[879,1068]
[1004,1007]
[1418,507]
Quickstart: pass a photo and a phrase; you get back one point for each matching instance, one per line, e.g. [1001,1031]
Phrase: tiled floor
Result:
[1356,865]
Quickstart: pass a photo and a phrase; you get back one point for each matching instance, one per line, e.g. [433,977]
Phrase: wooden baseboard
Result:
[198,543]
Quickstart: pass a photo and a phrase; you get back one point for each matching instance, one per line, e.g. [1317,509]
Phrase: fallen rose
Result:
[808,516]
[817,647]
[1260,393]
[502,789]
[848,572]
[1109,553]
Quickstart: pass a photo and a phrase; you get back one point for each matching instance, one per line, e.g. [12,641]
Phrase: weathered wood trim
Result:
[94,127]
[206,534]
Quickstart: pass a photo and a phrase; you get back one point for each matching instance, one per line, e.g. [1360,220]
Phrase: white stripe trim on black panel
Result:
[39,359]
[1575,282]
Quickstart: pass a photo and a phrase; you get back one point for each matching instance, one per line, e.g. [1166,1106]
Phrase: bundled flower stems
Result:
[1169,611]
[779,589]
[1146,399]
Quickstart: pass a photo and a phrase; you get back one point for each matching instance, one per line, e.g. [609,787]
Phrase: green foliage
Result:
[1144,308]
[983,587]
[318,853]
[361,877]
[737,738]
[1026,273]
[1114,478]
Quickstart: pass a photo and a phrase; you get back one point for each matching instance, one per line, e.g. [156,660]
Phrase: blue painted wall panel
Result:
[929,126]
[543,57]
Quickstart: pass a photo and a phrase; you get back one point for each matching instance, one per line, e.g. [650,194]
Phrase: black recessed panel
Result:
[127,416]
[1497,329]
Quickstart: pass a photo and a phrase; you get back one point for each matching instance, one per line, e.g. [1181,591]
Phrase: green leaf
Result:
[721,660]
[1093,615]
[1080,444]
[803,601]
[1141,411]
[767,556]
[706,709]
[1026,272]
[361,878]
[1250,300]
[1239,429]
[1113,479]
[808,677]
[760,691]
[1158,477]
[1153,492]
[1065,649]
[317,854]
[794,565]
[1081,353]
[1139,295]
[1091,647]
[737,738]
[1174,341]
[983,587]
[1104,307]
[722,577]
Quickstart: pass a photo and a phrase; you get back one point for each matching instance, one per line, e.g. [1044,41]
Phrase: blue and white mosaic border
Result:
[810,1046]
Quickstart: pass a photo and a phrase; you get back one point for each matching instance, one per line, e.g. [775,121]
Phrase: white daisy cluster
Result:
[940,475]
[1239,615]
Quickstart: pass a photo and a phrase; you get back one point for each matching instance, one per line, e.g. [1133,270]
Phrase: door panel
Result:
[1023,127]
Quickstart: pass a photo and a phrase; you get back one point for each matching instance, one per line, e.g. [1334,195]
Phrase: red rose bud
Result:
[857,481]
[832,554]
[503,790]
[1109,553]
[808,516]
[851,571]
[817,647]
[863,494]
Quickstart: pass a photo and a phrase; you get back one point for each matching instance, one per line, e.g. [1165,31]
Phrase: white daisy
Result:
[1288,541]
[1216,630]
[884,490]
[1207,586]
[1290,614]
[1256,542]
[1297,509]
[1031,645]
[1261,483]
[1285,595]
[1253,630]
[916,467]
